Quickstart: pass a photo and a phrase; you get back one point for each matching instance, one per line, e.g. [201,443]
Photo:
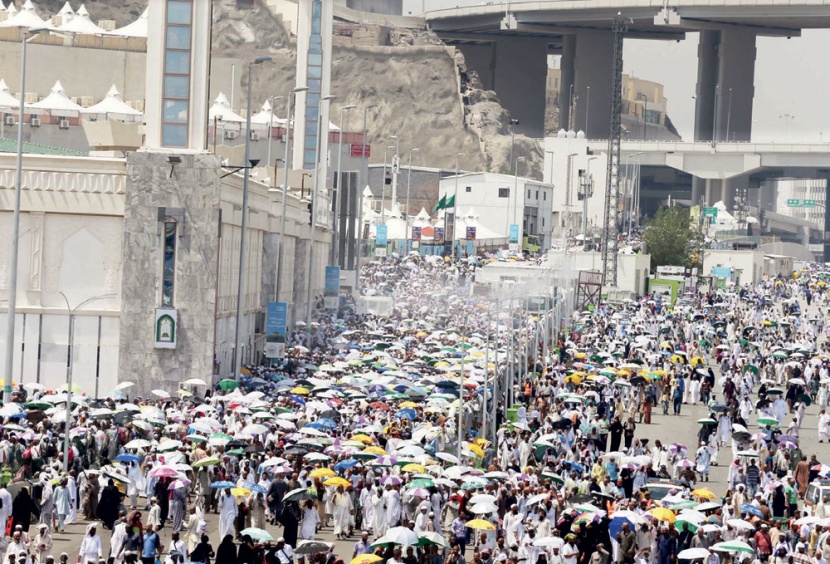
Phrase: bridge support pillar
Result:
[592,84]
[736,85]
[707,81]
[566,79]
[519,79]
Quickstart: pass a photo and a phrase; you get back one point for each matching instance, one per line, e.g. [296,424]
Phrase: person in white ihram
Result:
[823,426]
[90,551]
[227,513]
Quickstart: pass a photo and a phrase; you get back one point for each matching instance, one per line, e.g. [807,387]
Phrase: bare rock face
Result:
[255,28]
[124,12]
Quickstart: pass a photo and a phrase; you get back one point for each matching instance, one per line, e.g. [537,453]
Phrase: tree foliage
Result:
[671,238]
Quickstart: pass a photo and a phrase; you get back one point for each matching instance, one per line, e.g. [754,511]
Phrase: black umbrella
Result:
[740,436]
[330,414]
[254,448]
[719,408]
[637,380]
[300,494]
[296,449]
[804,398]
[123,417]
[235,444]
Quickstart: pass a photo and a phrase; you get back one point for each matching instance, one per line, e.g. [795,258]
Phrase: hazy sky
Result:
[790,78]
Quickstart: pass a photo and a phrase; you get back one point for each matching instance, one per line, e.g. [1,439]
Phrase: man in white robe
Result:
[73,496]
[5,504]
[379,523]
[366,507]
[227,514]
[342,508]
[393,506]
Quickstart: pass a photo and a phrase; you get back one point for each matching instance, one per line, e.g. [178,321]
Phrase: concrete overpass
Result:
[508,44]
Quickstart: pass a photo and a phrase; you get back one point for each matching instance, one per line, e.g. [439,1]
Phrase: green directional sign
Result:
[796,203]
[710,212]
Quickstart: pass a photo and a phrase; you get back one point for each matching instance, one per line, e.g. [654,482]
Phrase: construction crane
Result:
[611,223]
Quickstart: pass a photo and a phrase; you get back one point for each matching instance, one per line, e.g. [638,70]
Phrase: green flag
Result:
[450,203]
[442,203]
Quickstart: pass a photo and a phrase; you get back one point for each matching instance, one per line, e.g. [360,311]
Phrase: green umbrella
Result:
[751,368]
[235,452]
[228,384]
[38,405]
[768,421]
[705,343]
[780,354]
[707,421]
[420,483]
[257,534]
[687,504]
[206,461]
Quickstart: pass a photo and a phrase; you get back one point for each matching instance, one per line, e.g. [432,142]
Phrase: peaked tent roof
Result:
[221,109]
[66,10]
[57,103]
[6,99]
[26,17]
[263,115]
[136,29]
[81,24]
[113,106]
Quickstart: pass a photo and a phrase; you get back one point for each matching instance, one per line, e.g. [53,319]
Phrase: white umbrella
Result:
[195,382]
[693,553]
[484,507]
[125,385]
[138,443]
[402,536]
[161,393]
[447,457]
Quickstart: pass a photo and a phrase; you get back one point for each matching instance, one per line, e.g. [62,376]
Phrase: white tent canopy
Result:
[26,17]
[57,103]
[113,106]
[7,101]
[470,219]
[136,29]
[81,24]
[265,114]
[221,110]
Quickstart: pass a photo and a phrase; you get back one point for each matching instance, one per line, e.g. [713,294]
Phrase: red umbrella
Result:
[379,405]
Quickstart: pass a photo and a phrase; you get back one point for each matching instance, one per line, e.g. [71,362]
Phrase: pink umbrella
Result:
[164,472]
[180,483]
[684,463]
[419,492]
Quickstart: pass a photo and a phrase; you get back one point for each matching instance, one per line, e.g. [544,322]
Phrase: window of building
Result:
[168,275]
[544,196]
[504,192]
[537,195]
[528,194]
[469,188]
[176,84]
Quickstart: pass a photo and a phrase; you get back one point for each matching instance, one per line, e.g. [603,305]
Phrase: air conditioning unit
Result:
[63,123]
[35,122]
[254,136]
[231,134]
[9,120]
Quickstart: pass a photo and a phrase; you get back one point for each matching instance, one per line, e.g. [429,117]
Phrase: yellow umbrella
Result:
[481,442]
[659,372]
[663,514]
[481,525]
[418,334]
[579,355]
[409,404]
[697,360]
[678,358]
[323,473]
[414,467]
[366,559]
[299,390]
[375,450]
[704,493]
[573,379]
[337,481]
[240,492]
[476,449]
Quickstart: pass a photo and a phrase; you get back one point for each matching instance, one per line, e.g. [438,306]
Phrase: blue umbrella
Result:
[406,413]
[327,423]
[128,458]
[316,425]
[345,465]
[751,509]
[615,526]
[256,488]
[297,399]
[224,484]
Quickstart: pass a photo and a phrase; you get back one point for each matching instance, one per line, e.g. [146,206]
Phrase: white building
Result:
[499,200]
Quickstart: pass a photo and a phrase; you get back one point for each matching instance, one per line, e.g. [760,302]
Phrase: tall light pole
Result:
[364,181]
[69,367]
[454,209]
[383,180]
[406,210]
[513,122]
[18,187]
[728,114]
[271,132]
[338,193]
[516,201]
[285,187]
[243,239]
[587,109]
[312,219]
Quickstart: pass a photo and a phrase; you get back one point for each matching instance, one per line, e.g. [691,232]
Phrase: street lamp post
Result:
[513,122]
[454,210]
[516,200]
[383,181]
[18,187]
[338,192]
[69,367]
[271,132]
[240,288]
[364,174]
[312,220]
[406,210]
[285,187]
